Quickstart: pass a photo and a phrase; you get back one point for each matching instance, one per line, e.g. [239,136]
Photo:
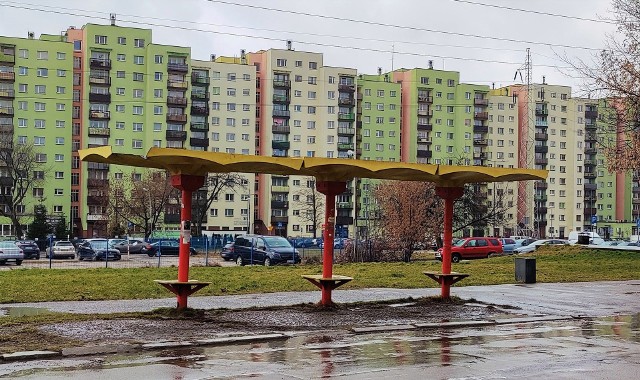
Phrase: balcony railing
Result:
[200,95]
[345,146]
[179,101]
[100,98]
[7,58]
[480,102]
[6,127]
[8,76]
[425,99]
[281,98]
[347,87]
[199,110]
[104,115]
[99,80]
[279,189]
[99,131]
[590,125]
[423,112]
[541,161]
[199,126]
[7,93]
[172,218]
[281,83]
[6,111]
[346,116]
[177,84]
[590,162]
[540,185]
[177,67]
[481,129]
[347,102]
[481,115]
[590,186]
[97,182]
[542,112]
[346,131]
[541,149]
[591,114]
[179,118]
[590,175]
[344,220]
[542,123]
[194,141]
[424,127]
[479,141]
[590,150]
[541,136]
[176,135]
[277,128]
[344,205]
[98,63]
[479,155]
[281,113]
[200,79]
[279,219]
[279,204]
[284,145]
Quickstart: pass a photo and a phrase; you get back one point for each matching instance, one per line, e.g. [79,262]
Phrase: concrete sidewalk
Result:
[592,299]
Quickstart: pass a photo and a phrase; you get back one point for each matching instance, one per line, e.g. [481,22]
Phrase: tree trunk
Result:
[17,227]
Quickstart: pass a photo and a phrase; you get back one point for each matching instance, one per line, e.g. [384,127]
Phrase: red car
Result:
[473,248]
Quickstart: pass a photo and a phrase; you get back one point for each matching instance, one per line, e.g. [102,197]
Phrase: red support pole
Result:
[188,184]
[449,194]
[330,189]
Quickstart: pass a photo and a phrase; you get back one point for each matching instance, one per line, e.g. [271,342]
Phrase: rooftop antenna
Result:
[112,17]
[289,45]
[393,52]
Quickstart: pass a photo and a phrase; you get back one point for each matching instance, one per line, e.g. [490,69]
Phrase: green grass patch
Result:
[566,264]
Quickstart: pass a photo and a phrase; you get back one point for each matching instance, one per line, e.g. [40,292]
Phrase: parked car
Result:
[302,242]
[97,249]
[167,247]
[134,246]
[9,250]
[228,252]
[29,248]
[508,245]
[61,249]
[533,246]
[473,248]
[524,242]
[267,250]
[338,243]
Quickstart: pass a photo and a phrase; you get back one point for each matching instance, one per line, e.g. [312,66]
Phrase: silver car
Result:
[10,251]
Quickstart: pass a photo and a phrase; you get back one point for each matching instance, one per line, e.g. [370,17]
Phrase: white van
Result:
[594,238]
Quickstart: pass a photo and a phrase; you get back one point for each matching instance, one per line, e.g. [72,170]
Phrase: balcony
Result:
[99,80]
[199,126]
[346,116]
[480,102]
[479,156]
[541,161]
[590,136]
[279,204]
[6,181]
[347,102]
[590,150]
[176,101]
[8,76]
[97,166]
[177,117]
[344,205]
[345,146]
[590,175]
[423,112]
[480,129]
[99,131]
[540,185]
[99,98]
[425,99]
[95,200]
[591,115]
[542,123]
[7,58]
[99,115]
[541,136]
[635,189]
[176,135]
[277,128]
[200,80]
[358,137]
[199,110]
[540,210]
[8,93]
[344,220]
[359,110]
[346,131]
[6,127]
[281,98]
[347,87]
[279,189]
[481,115]
[591,211]
[284,145]
[424,153]
[281,83]
[200,95]
[424,127]
[279,219]
[480,142]
[97,63]
[541,149]
[96,217]
[177,67]
[542,111]
[281,113]
[590,125]
[635,201]
[97,183]
[194,141]
[590,186]
[171,218]
[424,140]
[540,197]
[180,85]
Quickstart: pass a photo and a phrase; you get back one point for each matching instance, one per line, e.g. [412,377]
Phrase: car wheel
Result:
[491,254]
[3,262]
[455,258]
[150,254]
[267,262]
[239,261]
[18,262]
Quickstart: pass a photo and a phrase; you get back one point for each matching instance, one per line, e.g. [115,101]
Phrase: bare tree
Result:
[476,210]
[141,201]
[214,185]
[310,202]
[19,164]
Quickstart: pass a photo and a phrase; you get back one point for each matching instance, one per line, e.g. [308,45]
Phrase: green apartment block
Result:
[36,82]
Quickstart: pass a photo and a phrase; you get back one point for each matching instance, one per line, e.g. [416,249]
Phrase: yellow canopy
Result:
[194,162]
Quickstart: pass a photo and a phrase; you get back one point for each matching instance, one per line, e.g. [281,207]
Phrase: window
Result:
[60,106]
[138,42]
[24,53]
[312,80]
[40,89]
[231,91]
[158,59]
[101,40]
[121,58]
[137,127]
[59,175]
[157,110]
[136,144]
[231,77]
[281,62]
[37,140]
[157,76]
[313,65]
[138,60]
[138,77]
[122,40]
[311,109]
[380,93]
[40,106]
[120,74]
[138,110]
[23,70]
[43,72]
[60,90]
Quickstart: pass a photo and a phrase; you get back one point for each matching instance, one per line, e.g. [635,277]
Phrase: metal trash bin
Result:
[583,239]
[526,269]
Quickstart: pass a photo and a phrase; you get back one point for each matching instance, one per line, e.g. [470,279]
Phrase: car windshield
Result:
[7,244]
[99,244]
[277,242]
[64,244]
[459,243]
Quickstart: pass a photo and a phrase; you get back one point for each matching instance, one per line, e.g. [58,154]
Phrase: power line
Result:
[604,21]
[413,28]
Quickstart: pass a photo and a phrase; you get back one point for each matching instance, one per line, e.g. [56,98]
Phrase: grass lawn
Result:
[566,264]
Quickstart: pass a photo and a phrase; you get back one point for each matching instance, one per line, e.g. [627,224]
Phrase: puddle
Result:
[20,311]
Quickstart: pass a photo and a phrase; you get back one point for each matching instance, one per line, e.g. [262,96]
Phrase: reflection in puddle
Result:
[20,311]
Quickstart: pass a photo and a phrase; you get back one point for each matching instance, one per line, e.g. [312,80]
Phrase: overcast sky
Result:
[413,30]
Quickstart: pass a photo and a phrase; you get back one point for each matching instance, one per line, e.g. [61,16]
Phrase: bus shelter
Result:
[189,168]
